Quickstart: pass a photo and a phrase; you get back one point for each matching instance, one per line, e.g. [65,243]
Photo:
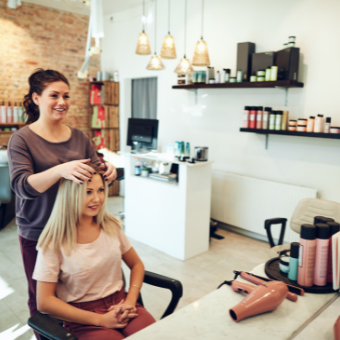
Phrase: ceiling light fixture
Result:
[143,45]
[201,54]
[168,49]
[184,66]
[155,62]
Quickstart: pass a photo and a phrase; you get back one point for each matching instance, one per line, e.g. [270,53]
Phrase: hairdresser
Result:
[42,153]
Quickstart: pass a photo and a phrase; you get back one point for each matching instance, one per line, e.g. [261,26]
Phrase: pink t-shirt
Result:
[92,271]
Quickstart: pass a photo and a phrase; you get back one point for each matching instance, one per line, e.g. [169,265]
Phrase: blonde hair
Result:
[61,228]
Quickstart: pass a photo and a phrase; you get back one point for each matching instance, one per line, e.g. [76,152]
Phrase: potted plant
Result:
[145,171]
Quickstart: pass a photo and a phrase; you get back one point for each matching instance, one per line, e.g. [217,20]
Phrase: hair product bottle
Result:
[3,113]
[307,255]
[310,124]
[246,117]
[272,118]
[319,125]
[259,115]
[328,124]
[15,113]
[334,228]
[284,120]
[278,120]
[265,118]
[9,113]
[321,254]
[294,261]
[252,117]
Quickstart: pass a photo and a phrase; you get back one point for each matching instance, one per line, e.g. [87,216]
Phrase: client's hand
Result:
[111,318]
[126,311]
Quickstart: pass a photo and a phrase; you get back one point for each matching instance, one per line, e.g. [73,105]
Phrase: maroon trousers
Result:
[29,256]
[101,306]
[83,332]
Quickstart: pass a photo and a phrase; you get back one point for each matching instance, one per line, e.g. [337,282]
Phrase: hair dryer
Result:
[337,329]
[263,298]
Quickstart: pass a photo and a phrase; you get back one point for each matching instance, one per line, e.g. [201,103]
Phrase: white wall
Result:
[217,117]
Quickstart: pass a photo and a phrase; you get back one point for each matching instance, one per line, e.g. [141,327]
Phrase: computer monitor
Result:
[142,134]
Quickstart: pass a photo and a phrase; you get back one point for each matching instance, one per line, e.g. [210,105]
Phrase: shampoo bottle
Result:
[15,113]
[321,254]
[9,113]
[294,261]
[3,113]
[307,255]
[334,228]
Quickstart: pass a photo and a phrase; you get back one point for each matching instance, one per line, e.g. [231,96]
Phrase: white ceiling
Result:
[77,6]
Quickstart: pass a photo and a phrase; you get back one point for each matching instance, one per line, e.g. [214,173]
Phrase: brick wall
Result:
[35,36]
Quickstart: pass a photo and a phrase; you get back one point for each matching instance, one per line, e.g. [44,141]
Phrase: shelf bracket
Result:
[195,96]
[267,137]
[286,96]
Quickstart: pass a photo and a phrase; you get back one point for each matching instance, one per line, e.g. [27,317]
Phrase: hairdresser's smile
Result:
[59,110]
[94,207]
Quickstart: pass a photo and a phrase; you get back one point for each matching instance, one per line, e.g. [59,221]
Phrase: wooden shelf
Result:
[104,128]
[257,84]
[11,124]
[102,82]
[7,132]
[292,133]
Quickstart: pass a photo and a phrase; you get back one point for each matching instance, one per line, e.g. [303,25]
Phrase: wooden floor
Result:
[199,275]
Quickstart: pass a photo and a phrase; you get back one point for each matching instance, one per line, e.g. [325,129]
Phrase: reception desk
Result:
[173,217]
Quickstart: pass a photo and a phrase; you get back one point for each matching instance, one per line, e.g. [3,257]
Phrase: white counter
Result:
[208,318]
[173,217]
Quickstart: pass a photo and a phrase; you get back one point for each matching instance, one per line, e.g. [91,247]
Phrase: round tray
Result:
[272,270]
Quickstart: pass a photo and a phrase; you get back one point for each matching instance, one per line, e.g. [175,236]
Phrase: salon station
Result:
[216,135]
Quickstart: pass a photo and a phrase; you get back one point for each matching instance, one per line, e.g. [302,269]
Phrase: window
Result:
[144,98]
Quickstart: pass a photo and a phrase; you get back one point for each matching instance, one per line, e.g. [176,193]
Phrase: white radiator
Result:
[246,202]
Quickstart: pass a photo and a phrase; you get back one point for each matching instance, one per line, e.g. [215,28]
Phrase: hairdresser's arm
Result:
[48,303]
[76,171]
[136,265]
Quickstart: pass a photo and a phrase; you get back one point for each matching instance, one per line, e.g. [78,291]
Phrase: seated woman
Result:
[78,267]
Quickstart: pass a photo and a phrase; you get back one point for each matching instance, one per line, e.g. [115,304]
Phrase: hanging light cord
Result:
[202,19]
[143,19]
[169,17]
[185,27]
[155,25]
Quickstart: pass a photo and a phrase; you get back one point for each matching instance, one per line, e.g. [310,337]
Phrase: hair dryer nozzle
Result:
[264,298]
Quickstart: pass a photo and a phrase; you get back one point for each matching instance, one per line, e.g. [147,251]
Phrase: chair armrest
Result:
[174,286]
[267,226]
[49,327]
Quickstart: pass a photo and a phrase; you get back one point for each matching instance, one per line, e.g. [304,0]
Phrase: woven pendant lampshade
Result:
[168,48]
[184,67]
[143,45]
[201,54]
[155,63]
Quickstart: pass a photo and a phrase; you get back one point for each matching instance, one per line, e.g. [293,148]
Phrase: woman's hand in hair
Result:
[76,171]
[110,173]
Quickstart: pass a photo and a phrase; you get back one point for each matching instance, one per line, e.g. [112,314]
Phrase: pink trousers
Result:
[101,306]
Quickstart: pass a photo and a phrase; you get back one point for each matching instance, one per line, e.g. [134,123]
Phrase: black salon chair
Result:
[50,328]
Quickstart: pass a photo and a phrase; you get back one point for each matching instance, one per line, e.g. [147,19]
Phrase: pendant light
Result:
[143,45]
[184,66]
[168,49]
[155,62]
[201,54]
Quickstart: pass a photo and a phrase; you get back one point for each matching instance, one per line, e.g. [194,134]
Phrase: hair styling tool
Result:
[290,296]
[291,288]
[337,329]
[264,298]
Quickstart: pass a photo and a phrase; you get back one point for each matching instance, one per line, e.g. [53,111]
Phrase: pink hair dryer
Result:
[263,298]
[337,329]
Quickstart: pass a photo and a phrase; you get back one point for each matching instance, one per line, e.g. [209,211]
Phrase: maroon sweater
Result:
[28,154]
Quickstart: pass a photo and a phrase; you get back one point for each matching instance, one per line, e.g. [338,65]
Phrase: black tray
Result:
[272,270]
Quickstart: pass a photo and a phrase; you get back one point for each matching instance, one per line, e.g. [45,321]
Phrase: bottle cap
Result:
[302,119]
[322,219]
[334,228]
[284,260]
[267,108]
[294,250]
[328,119]
[260,108]
[279,112]
[320,115]
[322,231]
[247,108]
[292,120]
[311,117]
[308,232]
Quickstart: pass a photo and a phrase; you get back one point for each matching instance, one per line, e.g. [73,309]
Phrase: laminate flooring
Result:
[199,275]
